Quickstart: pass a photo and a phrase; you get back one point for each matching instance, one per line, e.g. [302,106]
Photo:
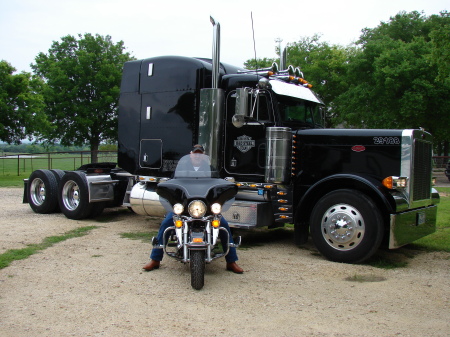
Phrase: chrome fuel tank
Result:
[145,201]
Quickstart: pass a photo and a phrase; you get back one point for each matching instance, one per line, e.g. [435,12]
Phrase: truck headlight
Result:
[178,209]
[395,182]
[197,209]
[216,208]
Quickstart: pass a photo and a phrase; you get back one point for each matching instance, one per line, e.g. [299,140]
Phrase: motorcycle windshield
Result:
[195,165]
[194,178]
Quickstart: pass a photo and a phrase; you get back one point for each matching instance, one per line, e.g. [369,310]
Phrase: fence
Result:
[25,163]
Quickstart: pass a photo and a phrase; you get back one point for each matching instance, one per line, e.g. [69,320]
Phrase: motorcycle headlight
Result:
[197,209]
[178,209]
[216,208]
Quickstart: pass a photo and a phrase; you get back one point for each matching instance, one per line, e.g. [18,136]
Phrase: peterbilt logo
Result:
[244,143]
[358,148]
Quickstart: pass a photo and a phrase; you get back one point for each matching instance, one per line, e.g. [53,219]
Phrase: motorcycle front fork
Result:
[186,240]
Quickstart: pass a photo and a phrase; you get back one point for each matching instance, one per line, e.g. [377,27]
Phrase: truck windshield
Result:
[295,112]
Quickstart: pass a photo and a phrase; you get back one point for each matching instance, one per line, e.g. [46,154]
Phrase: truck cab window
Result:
[299,113]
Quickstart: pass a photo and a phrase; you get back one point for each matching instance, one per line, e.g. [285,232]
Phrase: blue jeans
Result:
[157,254]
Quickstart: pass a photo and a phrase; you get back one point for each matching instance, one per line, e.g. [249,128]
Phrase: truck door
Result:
[245,147]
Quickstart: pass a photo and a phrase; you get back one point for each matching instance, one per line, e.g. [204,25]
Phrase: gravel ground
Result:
[94,286]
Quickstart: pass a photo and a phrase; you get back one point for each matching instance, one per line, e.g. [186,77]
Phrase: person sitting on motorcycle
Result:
[157,254]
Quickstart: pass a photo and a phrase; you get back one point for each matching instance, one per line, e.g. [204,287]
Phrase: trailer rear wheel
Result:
[73,196]
[346,226]
[42,192]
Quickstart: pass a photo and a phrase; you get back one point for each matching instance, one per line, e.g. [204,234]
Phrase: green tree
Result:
[440,39]
[324,66]
[259,63]
[393,80]
[21,104]
[82,89]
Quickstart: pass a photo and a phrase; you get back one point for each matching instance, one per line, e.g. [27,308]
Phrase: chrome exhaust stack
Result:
[211,105]
[215,53]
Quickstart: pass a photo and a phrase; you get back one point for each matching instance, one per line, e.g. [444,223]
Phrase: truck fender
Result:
[362,183]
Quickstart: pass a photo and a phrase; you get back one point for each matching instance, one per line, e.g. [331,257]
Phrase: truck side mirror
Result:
[241,110]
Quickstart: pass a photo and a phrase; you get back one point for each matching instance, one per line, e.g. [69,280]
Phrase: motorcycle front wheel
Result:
[197,265]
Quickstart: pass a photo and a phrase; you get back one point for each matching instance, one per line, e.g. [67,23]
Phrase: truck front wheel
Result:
[73,196]
[346,226]
[42,192]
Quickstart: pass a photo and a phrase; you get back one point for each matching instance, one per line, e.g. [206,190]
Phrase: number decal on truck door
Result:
[386,140]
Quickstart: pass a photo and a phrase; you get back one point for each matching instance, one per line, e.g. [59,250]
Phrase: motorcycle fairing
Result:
[185,189]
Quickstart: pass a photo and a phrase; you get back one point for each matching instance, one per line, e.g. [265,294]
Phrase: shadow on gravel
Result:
[257,237]
[383,258]
[396,258]
[260,236]
[113,215]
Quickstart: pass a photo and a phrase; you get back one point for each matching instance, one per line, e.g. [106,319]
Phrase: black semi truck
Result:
[349,189]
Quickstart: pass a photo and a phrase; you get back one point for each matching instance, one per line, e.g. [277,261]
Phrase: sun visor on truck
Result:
[297,91]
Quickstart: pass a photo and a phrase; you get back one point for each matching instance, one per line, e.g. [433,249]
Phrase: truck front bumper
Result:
[411,225]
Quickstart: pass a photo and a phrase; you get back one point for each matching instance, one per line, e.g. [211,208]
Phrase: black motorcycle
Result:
[196,196]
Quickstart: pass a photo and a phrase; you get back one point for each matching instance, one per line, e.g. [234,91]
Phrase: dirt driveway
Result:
[93,286]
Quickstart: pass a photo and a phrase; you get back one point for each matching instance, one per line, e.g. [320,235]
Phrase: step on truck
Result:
[348,189]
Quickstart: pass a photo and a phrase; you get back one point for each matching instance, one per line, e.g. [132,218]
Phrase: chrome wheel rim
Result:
[37,192]
[343,227]
[71,195]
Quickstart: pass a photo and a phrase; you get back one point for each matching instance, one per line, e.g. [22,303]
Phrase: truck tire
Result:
[197,266]
[58,176]
[346,226]
[43,192]
[73,196]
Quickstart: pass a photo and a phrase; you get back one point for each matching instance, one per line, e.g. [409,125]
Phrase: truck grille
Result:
[421,170]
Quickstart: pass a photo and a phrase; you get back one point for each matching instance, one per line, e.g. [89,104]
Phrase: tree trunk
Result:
[94,151]
[438,149]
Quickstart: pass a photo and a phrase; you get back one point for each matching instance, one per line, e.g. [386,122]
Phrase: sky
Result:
[154,28]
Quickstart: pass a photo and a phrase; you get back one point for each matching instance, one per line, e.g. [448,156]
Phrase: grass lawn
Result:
[440,240]
[13,170]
